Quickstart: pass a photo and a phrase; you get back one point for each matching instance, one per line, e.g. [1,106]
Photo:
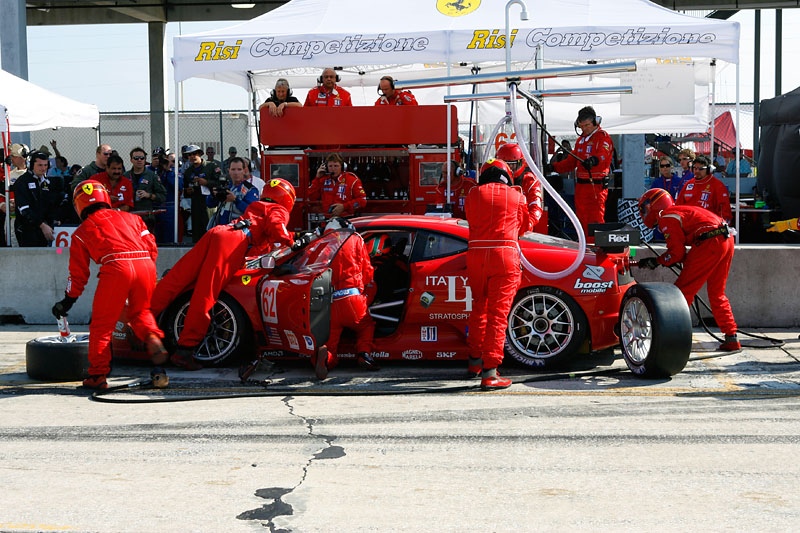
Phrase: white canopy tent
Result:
[32,108]
[434,38]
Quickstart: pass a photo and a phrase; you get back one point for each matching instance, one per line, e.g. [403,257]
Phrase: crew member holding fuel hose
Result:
[708,261]
[497,214]
[592,158]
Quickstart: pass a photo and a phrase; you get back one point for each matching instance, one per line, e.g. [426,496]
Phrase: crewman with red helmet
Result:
[706,191]
[512,154]
[708,261]
[392,96]
[497,214]
[327,93]
[212,262]
[351,273]
[126,252]
[340,192]
[460,185]
[592,158]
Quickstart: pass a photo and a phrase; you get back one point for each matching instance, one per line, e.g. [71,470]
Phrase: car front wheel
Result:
[545,327]
[655,330]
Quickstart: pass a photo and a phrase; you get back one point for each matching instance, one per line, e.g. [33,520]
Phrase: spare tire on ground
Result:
[51,359]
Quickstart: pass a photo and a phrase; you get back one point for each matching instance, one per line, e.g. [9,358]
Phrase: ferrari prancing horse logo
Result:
[246,280]
[457,8]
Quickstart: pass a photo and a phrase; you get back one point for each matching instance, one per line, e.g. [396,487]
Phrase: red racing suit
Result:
[346,189]
[590,191]
[532,189]
[351,273]
[458,195]
[497,216]
[319,97]
[212,262]
[126,251]
[398,98]
[708,259]
[709,193]
[121,193]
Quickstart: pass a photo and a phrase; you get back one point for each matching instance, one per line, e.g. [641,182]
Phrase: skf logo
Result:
[457,8]
[482,39]
[217,51]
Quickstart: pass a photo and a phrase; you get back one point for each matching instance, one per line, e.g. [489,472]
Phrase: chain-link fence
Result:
[124,131]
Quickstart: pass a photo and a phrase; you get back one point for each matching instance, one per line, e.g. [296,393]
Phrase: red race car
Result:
[277,306]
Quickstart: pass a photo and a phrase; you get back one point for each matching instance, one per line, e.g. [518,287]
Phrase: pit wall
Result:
[763,285]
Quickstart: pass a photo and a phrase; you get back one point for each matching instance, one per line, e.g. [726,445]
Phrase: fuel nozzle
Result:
[159,378]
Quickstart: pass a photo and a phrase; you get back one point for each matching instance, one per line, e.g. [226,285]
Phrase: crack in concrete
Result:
[277,507]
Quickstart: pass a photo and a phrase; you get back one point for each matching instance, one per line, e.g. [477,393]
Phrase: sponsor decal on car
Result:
[448,316]
[380,355]
[445,355]
[273,353]
[411,355]
[246,279]
[426,299]
[292,338]
[273,335]
[593,287]
[456,286]
[428,334]
[309,342]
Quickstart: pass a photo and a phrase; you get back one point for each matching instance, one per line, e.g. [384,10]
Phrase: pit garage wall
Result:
[762,287]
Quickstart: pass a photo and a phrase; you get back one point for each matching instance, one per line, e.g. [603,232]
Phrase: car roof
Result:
[454,226]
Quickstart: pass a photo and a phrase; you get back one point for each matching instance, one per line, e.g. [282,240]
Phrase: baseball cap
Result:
[19,150]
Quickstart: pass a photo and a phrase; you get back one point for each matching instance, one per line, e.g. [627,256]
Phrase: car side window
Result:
[431,245]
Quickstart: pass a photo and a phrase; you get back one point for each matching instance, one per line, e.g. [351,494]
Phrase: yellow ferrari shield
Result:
[456,8]
[246,280]
[88,188]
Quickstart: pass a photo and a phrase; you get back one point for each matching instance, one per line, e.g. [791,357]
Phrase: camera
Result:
[220,194]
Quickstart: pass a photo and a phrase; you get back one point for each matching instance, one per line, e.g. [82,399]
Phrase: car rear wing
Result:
[614,237]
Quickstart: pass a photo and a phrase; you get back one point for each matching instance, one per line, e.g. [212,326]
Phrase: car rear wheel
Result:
[51,359]
[655,330]
[229,337]
[545,327]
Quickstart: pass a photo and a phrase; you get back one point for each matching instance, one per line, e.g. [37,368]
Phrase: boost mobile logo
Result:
[457,8]
[217,51]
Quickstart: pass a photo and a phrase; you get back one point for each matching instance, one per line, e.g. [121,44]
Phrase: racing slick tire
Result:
[545,327]
[229,337]
[50,359]
[655,330]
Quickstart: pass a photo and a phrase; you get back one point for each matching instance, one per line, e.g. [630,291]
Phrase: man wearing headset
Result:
[327,93]
[459,189]
[392,96]
[340,192]
[37,199]
[280,98]
[592,159]
[706,191]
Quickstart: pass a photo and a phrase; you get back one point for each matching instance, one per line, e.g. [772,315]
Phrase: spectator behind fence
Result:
[120,188]
[149,192]
[97,166]
[199,179]
[744,167]
[37,200]
[232,199]
[163,165]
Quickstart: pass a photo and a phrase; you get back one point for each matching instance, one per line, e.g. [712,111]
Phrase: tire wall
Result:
[35,278]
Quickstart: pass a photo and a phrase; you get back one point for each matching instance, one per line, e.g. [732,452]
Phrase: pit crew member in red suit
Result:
[497,214]
[706,191]
[327,93]
[351,274]
[460,186]
[212,262]
[341,193]
[707,261]
[592,159]
[512,154]
[392,96]
[126,252]
[120,188]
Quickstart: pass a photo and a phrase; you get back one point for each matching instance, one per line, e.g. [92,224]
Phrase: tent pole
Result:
[738,149]
[178,158]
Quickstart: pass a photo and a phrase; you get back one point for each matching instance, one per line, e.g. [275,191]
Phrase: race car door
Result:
[295,298]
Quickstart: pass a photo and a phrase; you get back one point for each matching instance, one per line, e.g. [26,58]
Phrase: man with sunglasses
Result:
[149,191]
[706,191]
[98,165]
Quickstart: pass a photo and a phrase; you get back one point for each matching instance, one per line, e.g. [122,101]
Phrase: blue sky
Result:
[69,61]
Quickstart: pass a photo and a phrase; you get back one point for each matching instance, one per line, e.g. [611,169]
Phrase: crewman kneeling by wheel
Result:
[707,261]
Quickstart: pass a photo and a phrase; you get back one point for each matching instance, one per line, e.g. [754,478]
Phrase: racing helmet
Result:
[89,193]
[279,191]
[512,154]
[652,203]
[337,223]
[378,245]
[495,171]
